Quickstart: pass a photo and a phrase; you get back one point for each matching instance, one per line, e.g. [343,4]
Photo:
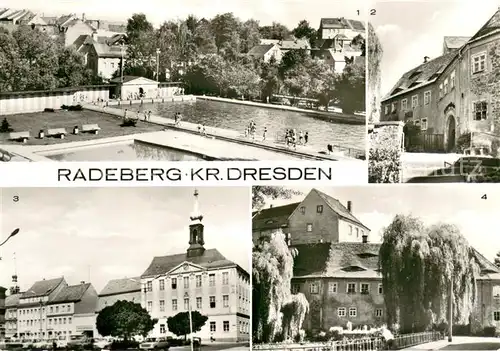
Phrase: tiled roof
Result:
[127,79]
[43,287]
[357,25]
[71,293]
[105,50]
[61,20]
[340,209]
[120,286]
[273,217]
[50,20]
[211,258]
[490,26]
[12,300]
[294,44]
[422,75]
[311,259]
[342,23]
[455,42]
[484,264]
[260,50]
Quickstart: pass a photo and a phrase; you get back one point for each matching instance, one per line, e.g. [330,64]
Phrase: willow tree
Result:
[419,264]
[272,271]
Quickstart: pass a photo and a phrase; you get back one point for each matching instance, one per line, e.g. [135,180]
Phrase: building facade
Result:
[52,309]
[126,289]
[200,280]
[453,94]
[11,303]
[2,313]
[318,218]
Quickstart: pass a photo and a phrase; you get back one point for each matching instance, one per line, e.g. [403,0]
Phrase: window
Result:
[186,282]
[199,303]
[496,292]
[350,229]
[314,288]
[55,321]
[309,227]
[357,232]
[150,306]
[332,287]
[186,304]
[404,104]
[393,107]
[162,305]
[162,329]
[225,300]
[112,65]
[57,309]
[302,210]
[452,80]
[440,90]
[480,110]
[174,304]
[212,301]
[378,312]
[380,289]
[319,209]
[353,312]
[351,288]
[64,320]
[225,326]
[162,284]
[341,311]
[149,288]
[414,101]
[445,89]
[478,62]
[427,97]
[496,316]
[386,109]
[225,278]
[211,279]
[212,327]
[174,283]
[423,124]
[69,320]
[295,288]
[365,288]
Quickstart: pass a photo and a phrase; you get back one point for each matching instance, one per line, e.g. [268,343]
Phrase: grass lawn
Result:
[33,122]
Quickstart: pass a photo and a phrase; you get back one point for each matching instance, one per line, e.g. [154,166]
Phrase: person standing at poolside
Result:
[306,138]
[301,137]
[149,115]
[264,134]
[176,117]
[145,115]
[125,114]
[204,130]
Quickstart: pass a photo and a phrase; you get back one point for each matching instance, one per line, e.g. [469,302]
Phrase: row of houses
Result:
[198,279]
[101,42]
[453,94]
[338,44]
[337,264]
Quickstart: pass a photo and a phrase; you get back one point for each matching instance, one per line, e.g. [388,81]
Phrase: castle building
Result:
[453,94]
[200,280]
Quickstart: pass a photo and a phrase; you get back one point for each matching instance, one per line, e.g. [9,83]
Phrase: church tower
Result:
[196,227]
[14,289]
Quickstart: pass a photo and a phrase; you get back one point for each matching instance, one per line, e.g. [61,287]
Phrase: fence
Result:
[425,142]
[364,344]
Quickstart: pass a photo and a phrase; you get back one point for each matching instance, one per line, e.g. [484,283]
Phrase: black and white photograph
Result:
[411,267]
[438,90]
[183,81]
[125,269]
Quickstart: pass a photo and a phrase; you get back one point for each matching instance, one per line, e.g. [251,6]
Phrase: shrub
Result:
[461,329]
[64,107]
[5,126]
[463,142]
[412,135]
[489,331]
[75,108]
[124,344]
[129,122]
[49,110]
[384,158]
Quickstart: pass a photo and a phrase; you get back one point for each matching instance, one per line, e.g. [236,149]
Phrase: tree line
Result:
[210,57]
[32,60]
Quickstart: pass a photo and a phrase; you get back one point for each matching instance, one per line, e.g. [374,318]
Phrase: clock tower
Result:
[196,228]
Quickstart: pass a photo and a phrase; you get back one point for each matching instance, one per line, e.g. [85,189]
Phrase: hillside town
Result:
[199,282]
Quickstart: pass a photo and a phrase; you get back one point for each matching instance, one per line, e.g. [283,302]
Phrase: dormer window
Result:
[270,221]
[415,74]
[303,210]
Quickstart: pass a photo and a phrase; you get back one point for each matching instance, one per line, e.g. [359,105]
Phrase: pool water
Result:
[136,151]
[237,117]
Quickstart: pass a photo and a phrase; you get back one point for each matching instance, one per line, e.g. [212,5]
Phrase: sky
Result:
[410,30]
[376,205]
[288,12]
[112,233]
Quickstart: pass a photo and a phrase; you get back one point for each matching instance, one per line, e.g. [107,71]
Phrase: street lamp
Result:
[10,236]
[123,54]
[186,296]
[158,64]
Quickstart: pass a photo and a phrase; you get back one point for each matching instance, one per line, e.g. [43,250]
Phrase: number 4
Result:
[484,197]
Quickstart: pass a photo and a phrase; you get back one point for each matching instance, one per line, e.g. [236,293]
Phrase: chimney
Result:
[365,238]
[349,206]
[271,206]
[426,59]
[83,17]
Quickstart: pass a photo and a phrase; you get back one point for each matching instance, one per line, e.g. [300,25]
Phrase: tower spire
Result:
[196,216]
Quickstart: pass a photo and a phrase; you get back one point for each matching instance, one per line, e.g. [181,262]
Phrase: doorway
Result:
[451,134]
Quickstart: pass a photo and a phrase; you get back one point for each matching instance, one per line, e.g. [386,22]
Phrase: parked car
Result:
[467,169]
[155,344]
[101,344]
[79,342]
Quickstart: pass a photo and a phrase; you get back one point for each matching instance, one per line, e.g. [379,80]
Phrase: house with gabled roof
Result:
[266,52]
[453,94]
[198,279]
[318,218]
[124,289]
